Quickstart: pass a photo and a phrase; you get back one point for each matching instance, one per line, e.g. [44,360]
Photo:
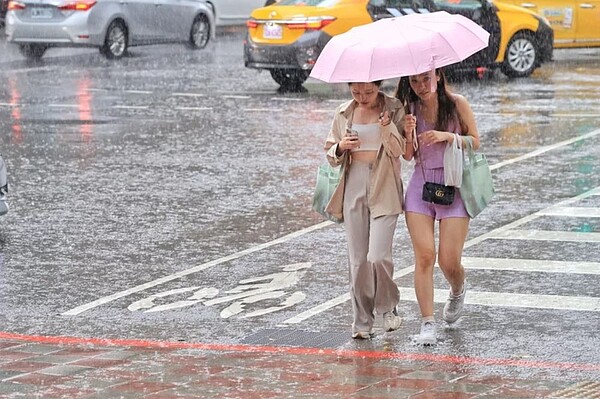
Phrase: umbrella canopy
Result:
[401,46]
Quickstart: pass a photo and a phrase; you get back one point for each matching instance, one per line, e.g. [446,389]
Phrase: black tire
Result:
[199,33]
[521,56]
[289,79]
[33,51]
[116,41]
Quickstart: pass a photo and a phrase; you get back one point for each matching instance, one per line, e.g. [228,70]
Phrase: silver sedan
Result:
[110,25]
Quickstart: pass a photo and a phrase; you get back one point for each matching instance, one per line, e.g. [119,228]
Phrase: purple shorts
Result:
[414,192]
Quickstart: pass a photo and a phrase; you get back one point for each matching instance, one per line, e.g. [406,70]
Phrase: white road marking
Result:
[236,97]
[194,108]
[130,106]
[204,266]
[545,235]
[137,92]
[188,94]
[63,105]
[531,265]
[286,99]
[506,228]
[288,237]
[580,212]
[547,148]
[514,300]
[263,109]
[8,105]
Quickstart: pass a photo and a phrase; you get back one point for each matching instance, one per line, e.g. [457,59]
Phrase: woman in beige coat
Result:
[365,140]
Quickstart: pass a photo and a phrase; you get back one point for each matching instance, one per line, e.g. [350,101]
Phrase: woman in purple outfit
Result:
[435,116]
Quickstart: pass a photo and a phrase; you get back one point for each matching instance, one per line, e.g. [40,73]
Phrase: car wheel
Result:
[33,51]
[521,56]
[200,32]
[289,79]
[115,43]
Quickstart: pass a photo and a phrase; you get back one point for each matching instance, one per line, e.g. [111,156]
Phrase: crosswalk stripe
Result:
[572,212]
[531,265]
[545,235]
[514,300]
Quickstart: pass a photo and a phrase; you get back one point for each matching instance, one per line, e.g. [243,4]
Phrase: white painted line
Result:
[573,116]
[340,299]
[130,106]
[8,105]
[236,97]
[335,301]
[194,108]
[531,265]
[204,266]
[102,90]
[497,114]
[263,109]
[63,105]
[545,149]
[579,212]
[138,91]
[515,300]
[527,219]
[188,94]
[546,235]
[286,99]
[110,298]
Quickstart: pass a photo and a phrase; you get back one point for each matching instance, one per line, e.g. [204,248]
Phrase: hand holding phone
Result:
[352,141]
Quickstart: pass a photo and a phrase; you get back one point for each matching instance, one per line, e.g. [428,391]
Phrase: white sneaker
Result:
[391,320]
[363,334]
[428,335]
[454,305]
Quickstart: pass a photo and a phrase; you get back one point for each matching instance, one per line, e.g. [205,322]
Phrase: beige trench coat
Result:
[386,195]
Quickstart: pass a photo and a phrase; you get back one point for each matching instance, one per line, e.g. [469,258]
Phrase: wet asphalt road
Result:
[146,195]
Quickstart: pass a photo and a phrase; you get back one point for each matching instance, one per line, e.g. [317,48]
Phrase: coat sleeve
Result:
[394,143]
[333,139]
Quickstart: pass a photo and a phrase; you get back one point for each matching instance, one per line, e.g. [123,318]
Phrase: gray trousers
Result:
[372,287]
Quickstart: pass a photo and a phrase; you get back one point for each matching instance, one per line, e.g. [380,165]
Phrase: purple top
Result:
[433,155]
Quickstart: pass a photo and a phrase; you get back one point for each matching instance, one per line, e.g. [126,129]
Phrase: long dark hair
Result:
[446,106]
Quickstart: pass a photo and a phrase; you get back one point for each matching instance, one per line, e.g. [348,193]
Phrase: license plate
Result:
[41,13]
[272,31]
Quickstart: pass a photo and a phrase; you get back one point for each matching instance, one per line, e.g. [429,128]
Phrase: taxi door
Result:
[560,13]
[588,19]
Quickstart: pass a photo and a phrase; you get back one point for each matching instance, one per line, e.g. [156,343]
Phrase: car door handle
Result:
[528,5]
[586,5]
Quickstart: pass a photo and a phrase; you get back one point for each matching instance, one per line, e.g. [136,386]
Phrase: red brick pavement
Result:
[63,367]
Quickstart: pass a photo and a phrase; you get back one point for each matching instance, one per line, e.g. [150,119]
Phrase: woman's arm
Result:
[394,143]
[335,150]
[409,124]
[468,119]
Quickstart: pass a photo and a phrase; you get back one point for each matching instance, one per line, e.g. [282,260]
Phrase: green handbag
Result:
[328,178]
[477,188]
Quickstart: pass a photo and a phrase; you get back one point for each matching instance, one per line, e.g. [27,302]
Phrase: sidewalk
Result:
[62,367]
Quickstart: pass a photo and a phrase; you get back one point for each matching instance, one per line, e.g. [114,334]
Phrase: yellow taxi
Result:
[575,23]
[286,38]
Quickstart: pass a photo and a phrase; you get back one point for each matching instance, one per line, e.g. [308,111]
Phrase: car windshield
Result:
[314,3]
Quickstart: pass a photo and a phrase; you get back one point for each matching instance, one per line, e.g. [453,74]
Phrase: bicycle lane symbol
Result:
[249,291]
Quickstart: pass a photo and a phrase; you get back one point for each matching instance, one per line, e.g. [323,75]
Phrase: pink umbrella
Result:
[401,46]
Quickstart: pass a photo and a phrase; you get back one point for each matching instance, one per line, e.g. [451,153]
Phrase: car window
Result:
[458,4]
[315,3]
